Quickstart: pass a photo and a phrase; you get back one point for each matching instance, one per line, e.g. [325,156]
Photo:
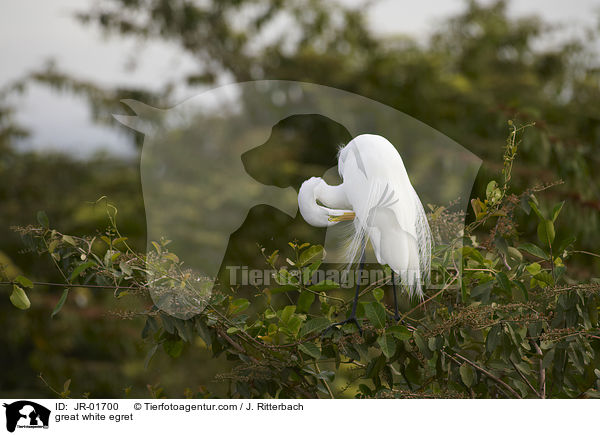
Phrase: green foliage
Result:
[479,68]
[516,326]
[19,298]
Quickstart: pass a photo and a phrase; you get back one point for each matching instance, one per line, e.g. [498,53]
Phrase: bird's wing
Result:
[400,237]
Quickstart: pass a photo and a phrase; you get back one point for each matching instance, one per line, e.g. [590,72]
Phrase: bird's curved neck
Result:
[332,196]
[322,205]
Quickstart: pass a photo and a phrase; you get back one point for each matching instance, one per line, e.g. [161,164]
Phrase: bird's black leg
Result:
[352,318]
[396,314]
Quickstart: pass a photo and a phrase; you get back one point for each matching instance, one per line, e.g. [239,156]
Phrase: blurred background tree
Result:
[475,71]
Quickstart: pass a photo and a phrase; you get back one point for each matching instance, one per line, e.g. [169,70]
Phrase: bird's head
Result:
[313,212]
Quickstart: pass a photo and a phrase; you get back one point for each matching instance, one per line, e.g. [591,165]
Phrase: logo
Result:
[26,414]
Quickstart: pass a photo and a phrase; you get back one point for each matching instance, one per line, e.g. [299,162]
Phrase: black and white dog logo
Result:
[26,414]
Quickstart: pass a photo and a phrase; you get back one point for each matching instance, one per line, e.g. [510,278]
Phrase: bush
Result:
[507,322]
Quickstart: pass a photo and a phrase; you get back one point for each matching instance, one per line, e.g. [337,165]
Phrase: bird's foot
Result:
[352,319]
[395,318]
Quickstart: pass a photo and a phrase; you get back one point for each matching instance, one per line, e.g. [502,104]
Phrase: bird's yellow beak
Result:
[344,217]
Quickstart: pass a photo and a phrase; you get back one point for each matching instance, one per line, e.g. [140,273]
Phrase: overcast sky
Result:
[32,31]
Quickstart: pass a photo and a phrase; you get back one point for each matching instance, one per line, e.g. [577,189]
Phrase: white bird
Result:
[376,194]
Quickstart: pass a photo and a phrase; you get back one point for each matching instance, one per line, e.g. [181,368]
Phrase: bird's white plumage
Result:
[388,211]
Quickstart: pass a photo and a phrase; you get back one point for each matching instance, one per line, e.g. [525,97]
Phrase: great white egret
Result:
[376,194]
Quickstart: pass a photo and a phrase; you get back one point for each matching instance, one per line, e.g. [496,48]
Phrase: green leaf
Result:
[283,289]
[308,272]
[533,269]
[119,240]
[422,345]
[514,254]
[81,268]
[375,312]
[314,253]
[66,386]
[545,232]
[293,325]
[287,312]
[525,205]
[238,305]
[69,240]
[470,252]
[125,268]
[60,303]
[374,367]
[311,349]
[400,332]
[494,338]
[556,210]
[523,290]
[563,244]
[273,257]
[305,301]
[284,277]
[378,294]
[482,291]
[489,190]
[535,208]
[316,324]
[503,281]
[53,245]
[25,282]
[19,298]
[387,344]
[173,347]
[387,376]
[42,219]
[534,250]
[467,374]
[149,355]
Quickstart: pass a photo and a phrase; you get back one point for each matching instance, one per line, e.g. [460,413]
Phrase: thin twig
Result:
[54,284]
[542,370]
[485,372]
[524,378]
[324,381]
[584,252]
[49,386]
[429,299]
